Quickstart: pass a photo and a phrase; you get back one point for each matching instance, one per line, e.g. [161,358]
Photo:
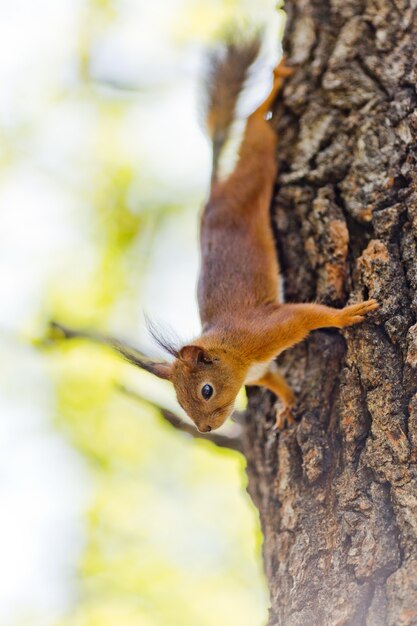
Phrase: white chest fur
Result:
[256,371]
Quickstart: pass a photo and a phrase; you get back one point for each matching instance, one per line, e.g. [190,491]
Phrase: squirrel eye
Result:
[207,392]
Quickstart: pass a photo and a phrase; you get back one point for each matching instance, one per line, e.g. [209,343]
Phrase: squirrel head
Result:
[206,383]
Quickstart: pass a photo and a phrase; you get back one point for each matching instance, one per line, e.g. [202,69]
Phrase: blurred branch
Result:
[130,353]
[231,441]
[61,331]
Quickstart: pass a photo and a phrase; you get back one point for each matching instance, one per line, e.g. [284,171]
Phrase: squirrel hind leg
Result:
[280,73]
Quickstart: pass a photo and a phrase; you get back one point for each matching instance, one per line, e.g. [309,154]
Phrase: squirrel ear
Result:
[193,355]
[162,370]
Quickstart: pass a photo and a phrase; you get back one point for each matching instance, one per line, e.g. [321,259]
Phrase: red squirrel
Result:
[245,324]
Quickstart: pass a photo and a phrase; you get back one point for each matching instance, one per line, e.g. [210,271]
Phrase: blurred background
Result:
[108,515]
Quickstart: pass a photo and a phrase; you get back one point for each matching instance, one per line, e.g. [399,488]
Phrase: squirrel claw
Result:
[284,418]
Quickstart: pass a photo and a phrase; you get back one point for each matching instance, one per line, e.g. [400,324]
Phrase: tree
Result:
[337,494]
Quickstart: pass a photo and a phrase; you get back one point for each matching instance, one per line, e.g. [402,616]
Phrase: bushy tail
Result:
[227,70]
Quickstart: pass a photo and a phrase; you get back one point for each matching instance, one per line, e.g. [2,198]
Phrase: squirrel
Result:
[245,323]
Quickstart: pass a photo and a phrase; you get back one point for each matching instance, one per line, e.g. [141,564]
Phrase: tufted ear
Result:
[194,354]
[162,370]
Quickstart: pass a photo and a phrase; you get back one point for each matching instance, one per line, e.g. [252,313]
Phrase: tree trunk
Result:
[337,494]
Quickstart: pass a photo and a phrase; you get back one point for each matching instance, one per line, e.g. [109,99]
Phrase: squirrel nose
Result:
[207,429]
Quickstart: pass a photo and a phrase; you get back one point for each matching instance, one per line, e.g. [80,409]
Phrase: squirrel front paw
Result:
[355,313]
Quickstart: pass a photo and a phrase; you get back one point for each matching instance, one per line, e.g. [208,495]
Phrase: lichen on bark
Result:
[337,494]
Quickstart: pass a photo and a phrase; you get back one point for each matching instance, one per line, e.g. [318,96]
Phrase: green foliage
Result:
[170,537]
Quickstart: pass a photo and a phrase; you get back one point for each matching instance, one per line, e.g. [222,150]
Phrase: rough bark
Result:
[337,494]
